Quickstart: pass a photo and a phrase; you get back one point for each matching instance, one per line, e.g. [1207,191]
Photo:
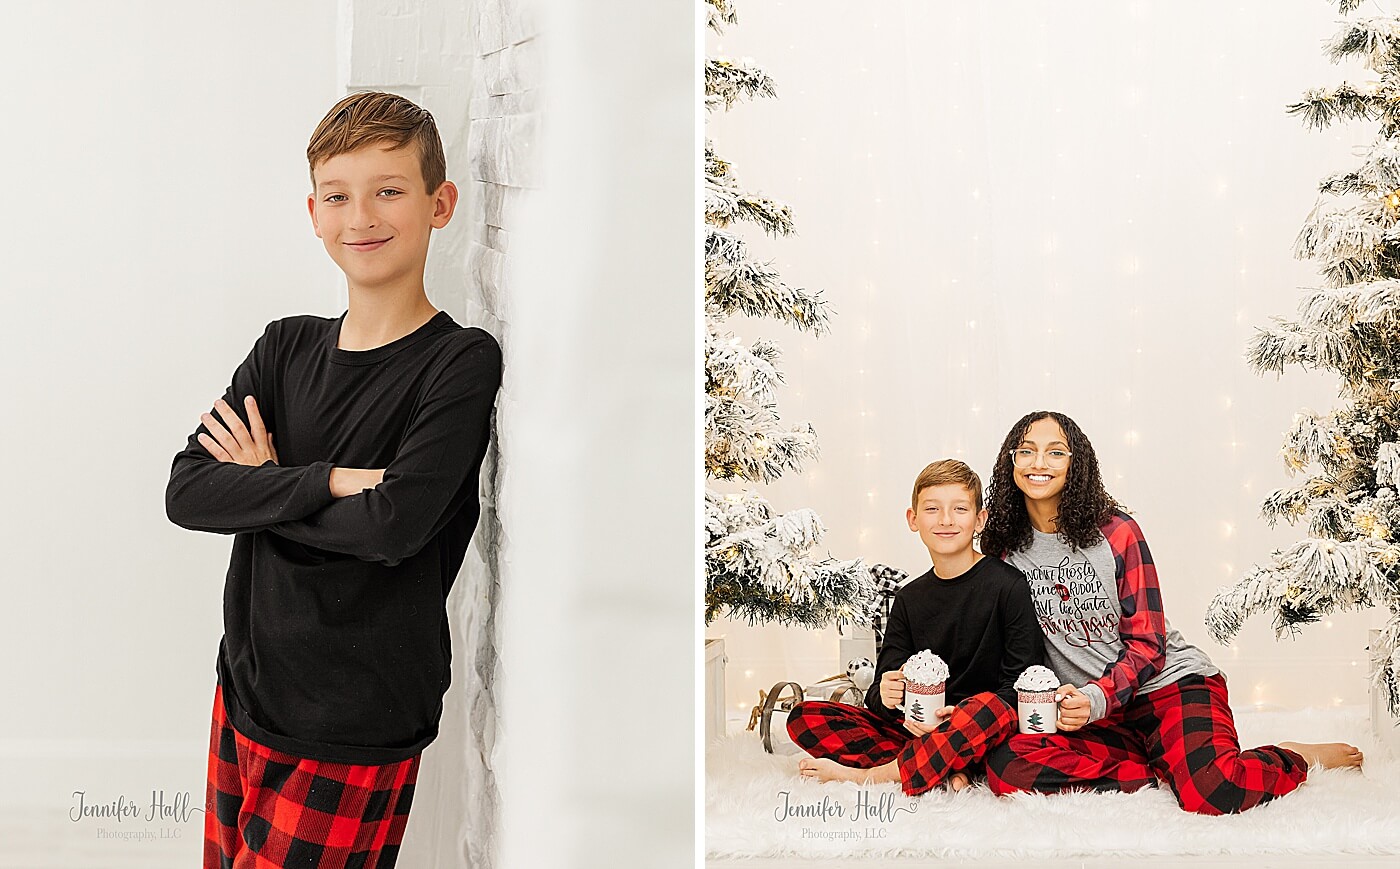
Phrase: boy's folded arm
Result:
[422,485]
[205,494]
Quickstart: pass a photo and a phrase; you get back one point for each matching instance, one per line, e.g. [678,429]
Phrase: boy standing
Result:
[976,614]
[350,524]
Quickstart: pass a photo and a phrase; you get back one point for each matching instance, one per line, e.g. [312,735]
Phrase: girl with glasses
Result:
[1139,704]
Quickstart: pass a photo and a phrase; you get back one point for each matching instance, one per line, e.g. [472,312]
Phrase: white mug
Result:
[1036,713]
[919,706]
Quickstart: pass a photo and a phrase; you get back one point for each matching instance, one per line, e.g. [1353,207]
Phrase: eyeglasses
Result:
[1054,459]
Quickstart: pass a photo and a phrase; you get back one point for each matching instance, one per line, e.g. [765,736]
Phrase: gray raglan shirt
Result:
[1101,611]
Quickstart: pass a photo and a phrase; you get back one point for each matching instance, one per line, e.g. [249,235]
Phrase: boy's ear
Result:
[444,203]
[311,207]
[909,517]
[981,520]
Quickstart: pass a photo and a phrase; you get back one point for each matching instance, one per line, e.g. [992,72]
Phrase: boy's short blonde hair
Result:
[946,471]
[373,117]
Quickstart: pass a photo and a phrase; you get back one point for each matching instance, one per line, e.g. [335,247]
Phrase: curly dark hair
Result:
[1084,504]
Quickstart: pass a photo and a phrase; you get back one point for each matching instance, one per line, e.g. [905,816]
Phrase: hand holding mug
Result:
[892,688]
[1074,708]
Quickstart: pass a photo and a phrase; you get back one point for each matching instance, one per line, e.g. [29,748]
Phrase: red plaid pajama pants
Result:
[1183,734]
[855,736]
[265,808]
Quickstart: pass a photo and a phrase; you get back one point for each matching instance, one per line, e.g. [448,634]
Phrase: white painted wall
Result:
[597,476]
[1016,206]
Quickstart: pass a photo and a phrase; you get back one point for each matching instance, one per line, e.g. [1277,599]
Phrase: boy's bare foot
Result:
[957,781]
[826,769]
[1328,755]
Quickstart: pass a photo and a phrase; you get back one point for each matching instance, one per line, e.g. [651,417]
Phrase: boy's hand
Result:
[892,688]
[941,714]
[236,443]
[1074,708]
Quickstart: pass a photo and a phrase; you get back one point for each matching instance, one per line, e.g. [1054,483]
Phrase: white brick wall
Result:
[504,121]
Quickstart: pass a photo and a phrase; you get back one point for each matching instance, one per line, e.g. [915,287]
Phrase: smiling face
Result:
[946,518]
[1038,481]
[371,210]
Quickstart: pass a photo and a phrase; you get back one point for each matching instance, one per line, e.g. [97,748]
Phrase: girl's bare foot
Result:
[957,781]
[1328,755]
[826,769]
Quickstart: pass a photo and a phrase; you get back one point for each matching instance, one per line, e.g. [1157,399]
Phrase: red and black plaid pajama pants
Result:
[265,808]
[1182,734]
[855,736]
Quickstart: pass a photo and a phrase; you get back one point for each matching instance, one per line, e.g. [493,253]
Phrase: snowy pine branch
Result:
[721,12]
[762,566]
[1353,331]
[1311,579]
[725,202]
[1334,234]
[1377,177]
[1373,39]
[734,284]
[1320,107]
[744,437]
[727,82]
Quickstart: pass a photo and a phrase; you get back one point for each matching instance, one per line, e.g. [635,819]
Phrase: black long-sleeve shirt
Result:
[336,643]
[981,622]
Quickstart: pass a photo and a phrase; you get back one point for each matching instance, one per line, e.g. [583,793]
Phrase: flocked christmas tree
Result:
[759,565]
[1348,458]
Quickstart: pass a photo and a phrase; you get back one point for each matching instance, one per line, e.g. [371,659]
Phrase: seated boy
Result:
[976,614]
[350,525]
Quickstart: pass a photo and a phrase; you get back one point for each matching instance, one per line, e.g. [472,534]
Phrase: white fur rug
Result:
[1335,812]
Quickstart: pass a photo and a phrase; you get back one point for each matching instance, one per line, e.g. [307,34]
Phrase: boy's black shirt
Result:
[982,623]
[336,643]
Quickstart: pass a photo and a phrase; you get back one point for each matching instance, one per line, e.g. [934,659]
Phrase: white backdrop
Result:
[155,222]
[1019,206]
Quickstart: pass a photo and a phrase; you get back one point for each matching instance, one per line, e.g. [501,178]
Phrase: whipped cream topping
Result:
[1037,678]
[925,668]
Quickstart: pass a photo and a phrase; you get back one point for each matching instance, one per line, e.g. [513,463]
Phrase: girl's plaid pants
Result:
[1182,734]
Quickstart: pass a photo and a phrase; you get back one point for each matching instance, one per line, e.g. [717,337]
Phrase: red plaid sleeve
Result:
[1143,627]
